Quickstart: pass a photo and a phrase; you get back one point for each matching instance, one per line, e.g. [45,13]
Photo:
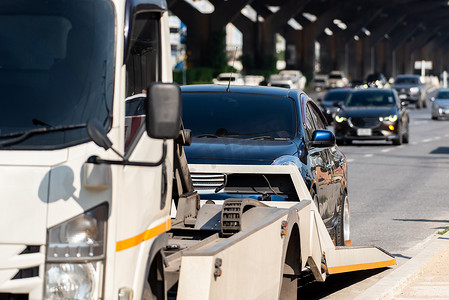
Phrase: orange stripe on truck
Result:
[359,267]
[144,236]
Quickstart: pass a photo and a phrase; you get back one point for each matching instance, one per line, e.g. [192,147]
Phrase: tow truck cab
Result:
[70,227]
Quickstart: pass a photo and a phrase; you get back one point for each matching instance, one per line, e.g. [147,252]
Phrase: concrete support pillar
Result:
[200,27]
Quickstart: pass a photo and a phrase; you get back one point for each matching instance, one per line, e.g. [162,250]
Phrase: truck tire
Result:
[343,226]
[292,267]
[154,288]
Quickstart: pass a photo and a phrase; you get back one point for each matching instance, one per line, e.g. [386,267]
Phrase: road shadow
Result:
[440,150]
[318,290]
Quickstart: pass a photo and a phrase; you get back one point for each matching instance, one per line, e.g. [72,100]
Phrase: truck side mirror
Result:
[163,110]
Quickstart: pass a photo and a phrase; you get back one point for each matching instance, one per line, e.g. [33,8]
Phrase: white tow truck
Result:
[82,219]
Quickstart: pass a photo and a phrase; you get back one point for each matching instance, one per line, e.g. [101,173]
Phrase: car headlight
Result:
[392,118]
[340,119]
[288,160]
[75,256]
[414,90]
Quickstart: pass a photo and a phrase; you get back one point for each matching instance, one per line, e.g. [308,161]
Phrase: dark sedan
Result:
[267,126]
[411,88]
[372,114]
[330,102]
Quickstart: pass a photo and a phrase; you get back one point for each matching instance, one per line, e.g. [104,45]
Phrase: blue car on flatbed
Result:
[262,126]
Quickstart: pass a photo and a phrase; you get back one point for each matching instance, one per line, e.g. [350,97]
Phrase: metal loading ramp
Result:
[357,258]
[253,256]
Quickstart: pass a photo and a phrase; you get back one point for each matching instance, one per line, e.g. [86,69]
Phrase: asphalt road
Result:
[399,196]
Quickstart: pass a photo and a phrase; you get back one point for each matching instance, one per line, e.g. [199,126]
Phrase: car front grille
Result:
[207,182]
[21,271]
[4,296]
[364,122]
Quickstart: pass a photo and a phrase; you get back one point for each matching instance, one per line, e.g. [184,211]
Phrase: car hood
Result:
[442,101]
[404,86]
[237,151]
[329,104]
[367,112]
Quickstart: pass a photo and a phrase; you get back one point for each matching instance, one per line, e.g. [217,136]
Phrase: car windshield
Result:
[335,76]
[406,80]
[336,96]
[370,98]
[240,116]
[372,77]
[56,69]
[443,95]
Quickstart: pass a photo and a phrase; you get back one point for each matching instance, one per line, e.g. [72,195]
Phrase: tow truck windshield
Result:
[56,70]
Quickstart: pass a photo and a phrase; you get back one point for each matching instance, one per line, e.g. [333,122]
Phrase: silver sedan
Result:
[440,104]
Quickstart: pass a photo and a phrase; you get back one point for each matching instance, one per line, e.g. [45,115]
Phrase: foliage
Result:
[443,231]
[194,75]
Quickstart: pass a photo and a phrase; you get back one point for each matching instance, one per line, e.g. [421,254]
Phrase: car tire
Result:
[343,227]
[398,141]
[405,137]
[434,118]
[348,142]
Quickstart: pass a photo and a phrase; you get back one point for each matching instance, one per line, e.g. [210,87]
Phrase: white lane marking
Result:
[349,160]
[427,140]
[437,138]
[414,143]
[386,150]
[446,135]
[368,155]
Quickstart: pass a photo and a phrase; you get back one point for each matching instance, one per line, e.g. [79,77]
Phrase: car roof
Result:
[242,89]
[371,90]
[407,75]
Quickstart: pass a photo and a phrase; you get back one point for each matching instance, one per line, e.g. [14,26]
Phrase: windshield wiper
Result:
[267,137]
[17,137]
[206,136]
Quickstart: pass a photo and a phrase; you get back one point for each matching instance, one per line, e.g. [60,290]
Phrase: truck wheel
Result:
[154,288]
[343,226]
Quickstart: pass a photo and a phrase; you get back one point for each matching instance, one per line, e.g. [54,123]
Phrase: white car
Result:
[337,79]
[319,82]
[225,78]
[440,104]
[296,76]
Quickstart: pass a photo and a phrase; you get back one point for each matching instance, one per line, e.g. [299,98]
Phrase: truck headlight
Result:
[75,256]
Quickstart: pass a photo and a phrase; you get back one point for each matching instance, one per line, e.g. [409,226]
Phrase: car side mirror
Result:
[163,110]
[432,99]
[322,138]
[404,103]
[338,104]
